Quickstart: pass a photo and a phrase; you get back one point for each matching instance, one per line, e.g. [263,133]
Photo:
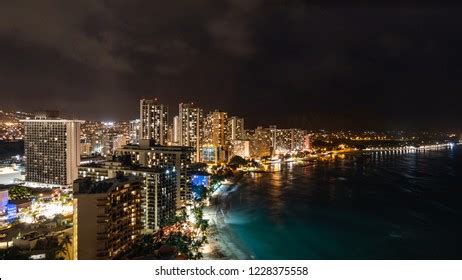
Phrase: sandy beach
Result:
[222,242]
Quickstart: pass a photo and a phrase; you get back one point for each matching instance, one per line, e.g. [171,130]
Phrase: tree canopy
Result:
[238,161]
[19,192]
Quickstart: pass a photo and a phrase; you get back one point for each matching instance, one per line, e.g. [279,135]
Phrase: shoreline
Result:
[223,244]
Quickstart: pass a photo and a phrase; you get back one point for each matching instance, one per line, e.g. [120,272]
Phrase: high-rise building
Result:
[147,154]
[209,154]
[298,140]
[216,128]
[107,142]
[261,142]
[107,217]
[52,150]
[154,121]
[190,127]
[134,131]
[283,141]
[176,131]
[273,131]
[85,148]
[105,137]
[289,140]
[240,148]
[119,141]
[307,143]
[158,193]
[169,141]
[215,134]
[235,129]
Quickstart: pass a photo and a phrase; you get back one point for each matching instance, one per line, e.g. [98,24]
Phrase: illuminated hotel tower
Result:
[154,121]
[215,128]
[107,217]
[52,150]
[215,133]
[235,128]
[190,127]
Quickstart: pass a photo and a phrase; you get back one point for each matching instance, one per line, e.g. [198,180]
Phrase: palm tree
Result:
[199,214]
[183,215]
[60,249]
[53,248]
[66,241]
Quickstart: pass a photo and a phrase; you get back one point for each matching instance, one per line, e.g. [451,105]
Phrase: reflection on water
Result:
[377,206]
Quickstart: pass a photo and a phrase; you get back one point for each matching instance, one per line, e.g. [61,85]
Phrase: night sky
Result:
[286,62]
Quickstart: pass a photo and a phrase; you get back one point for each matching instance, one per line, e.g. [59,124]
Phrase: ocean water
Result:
[382,206]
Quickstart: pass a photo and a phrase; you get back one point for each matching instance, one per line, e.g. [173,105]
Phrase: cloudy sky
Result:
[292,63]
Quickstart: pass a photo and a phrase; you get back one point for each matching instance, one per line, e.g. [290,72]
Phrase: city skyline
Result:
[127,199]
[255,130]
[25,115]
[294,64]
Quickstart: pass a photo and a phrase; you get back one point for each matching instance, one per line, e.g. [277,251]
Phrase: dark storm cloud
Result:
[291,63]
[60,27]
[232,31]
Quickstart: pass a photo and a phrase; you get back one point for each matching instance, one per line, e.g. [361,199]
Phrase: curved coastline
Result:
[223,244]
[310,206]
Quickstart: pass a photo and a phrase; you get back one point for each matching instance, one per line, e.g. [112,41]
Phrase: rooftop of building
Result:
[146,144]
[87,186]
[92,157]
[50,121]
[125,165]
[49,116]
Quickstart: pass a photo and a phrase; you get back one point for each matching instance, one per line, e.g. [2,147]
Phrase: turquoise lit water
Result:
[386,206]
